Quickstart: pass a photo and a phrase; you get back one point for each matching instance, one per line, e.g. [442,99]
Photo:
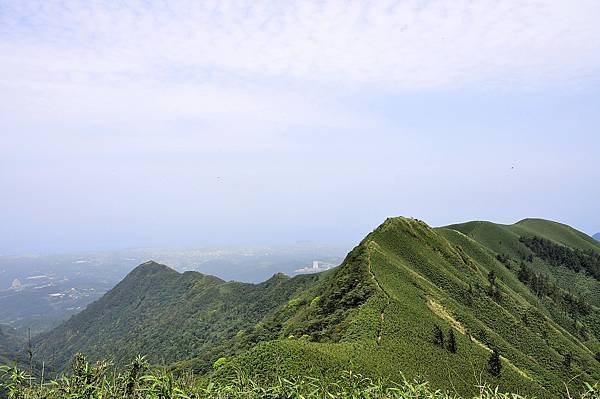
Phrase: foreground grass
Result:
[140,381]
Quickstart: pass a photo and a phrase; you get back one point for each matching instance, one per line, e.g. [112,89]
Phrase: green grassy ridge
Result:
[323,313]
[560,233]
[444,271]
[504,239]
[582,284]
[417,268]
[501,237]
[374,313]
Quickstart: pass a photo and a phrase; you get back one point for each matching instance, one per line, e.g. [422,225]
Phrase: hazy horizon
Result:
[343,246]
[143,124]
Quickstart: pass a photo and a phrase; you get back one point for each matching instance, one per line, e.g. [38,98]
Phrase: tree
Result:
[438,336]
[598,357]
[492,278]
[494,363]
[451,341]
[493,291]
[468,295]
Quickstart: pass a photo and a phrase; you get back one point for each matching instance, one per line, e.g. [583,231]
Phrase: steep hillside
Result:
[165,315]
[10,347]
[506,240]
[425,278]
[409,301]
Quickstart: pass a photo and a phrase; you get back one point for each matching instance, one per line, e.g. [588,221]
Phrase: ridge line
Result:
[382,315]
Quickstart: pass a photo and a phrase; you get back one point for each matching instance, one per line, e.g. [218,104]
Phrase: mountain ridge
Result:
[154,294]
[376,312]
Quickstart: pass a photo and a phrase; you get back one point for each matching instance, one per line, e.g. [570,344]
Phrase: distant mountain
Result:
[167,315]
[408,301]
[39,292]
[597,236]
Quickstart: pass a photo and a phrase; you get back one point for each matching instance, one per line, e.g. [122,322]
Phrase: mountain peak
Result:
[277,277]
[597,236]
[401,222]
[151,269]
[152,265]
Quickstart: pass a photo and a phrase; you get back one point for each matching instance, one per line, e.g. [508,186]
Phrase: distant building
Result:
[317,266]
[16,284]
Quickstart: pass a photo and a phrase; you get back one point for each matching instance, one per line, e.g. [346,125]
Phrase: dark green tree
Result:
[468,295]
[451,341]
[492,278]
[494,363]
[493,290]
[598,357]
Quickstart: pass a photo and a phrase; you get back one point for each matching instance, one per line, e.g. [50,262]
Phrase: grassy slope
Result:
[422,278]
[504,239]
[165,315]
[374,313]
[560,233]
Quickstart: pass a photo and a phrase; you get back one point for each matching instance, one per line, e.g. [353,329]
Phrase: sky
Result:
[154,123]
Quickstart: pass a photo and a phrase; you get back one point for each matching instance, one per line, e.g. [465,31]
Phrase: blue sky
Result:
[142,123]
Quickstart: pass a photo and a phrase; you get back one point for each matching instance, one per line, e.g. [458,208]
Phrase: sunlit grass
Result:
[142,381]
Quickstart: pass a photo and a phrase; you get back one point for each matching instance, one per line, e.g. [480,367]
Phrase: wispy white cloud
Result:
[406,44]
[241,64]
[281,62]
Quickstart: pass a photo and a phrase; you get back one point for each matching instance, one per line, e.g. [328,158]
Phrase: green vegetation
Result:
[494,364]
[460,307]
[10,345]
[543,287]
[505,240]
[560,255]
[166,315]
[141,381]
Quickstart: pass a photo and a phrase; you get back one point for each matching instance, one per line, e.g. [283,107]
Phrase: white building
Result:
[16,284]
